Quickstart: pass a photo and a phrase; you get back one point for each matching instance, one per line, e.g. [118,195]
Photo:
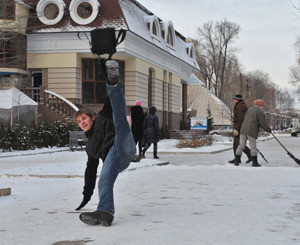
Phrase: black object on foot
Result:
[254,162]
[237,160]
[96,218]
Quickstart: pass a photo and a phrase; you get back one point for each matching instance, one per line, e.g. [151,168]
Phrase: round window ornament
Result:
[84,12]
[50,12]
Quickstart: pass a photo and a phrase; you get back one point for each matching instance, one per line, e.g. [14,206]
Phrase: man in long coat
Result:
[239,111]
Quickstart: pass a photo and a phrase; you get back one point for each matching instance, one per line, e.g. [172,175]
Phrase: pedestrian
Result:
[151,131]
[253,121]
[239,111]
[137,128]
[109,138]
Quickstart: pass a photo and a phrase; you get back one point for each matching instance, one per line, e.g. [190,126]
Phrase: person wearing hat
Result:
[137,116]
[254,119]
[239,111]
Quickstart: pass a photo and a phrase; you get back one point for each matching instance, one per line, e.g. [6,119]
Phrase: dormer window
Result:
[190,50]
[84,12]
[168,32]
[50,12]
[153,25]
[170,39]
[7,10]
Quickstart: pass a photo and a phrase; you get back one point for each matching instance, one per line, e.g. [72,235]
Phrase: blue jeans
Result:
[120,154]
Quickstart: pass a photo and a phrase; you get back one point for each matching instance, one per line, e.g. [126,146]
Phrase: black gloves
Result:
[86,199]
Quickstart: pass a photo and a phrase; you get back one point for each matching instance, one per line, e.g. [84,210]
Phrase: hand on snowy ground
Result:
[85,200]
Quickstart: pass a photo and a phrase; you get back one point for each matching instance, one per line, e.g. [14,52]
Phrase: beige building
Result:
[155,60]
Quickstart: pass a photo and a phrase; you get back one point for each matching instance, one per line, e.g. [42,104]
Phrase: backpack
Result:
[104,41]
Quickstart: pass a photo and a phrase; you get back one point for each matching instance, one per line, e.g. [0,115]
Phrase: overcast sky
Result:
[269,29]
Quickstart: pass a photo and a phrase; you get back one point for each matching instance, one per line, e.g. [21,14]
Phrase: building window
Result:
[94,81]
[170,36]
[50,12]
[84,12]
[13,50]
[153,26]
[7,9]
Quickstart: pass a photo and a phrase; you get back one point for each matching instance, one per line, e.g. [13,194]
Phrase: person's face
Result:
[236,101]
[85,122]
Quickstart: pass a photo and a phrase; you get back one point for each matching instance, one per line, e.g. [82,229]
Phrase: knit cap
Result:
[259,102]
[138,103]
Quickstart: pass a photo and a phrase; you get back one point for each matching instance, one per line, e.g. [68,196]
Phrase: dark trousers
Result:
[154,148]
[236,143]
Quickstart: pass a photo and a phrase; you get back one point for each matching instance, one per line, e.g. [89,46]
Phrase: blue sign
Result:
[199,123]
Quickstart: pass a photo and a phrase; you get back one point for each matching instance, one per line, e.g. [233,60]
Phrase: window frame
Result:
[97,82]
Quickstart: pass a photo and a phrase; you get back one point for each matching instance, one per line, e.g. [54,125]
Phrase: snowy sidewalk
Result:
[196,199]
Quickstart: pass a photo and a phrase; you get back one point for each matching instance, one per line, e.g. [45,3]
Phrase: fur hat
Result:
[138,103]
[259,102]
[238,97]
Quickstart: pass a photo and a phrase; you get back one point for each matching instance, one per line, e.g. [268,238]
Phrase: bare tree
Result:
[214,52]
[284,101]
[259,86]
[295,70]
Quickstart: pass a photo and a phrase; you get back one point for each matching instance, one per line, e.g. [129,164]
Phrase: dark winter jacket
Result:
[151,126]
[239,112]
[254,119]
[100,139]
[137,116]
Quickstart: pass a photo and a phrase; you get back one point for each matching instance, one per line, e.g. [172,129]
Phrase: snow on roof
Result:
[135,17]
[14,97]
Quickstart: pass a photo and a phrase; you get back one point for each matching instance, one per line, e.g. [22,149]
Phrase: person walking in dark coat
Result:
[253,121]
[239,111]
[109,138]
[137,126]
[152,131]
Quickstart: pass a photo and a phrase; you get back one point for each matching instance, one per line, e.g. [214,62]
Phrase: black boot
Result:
[231,161]
[96,218]
[237,160]
[155,157]
[249,159]
[254,162]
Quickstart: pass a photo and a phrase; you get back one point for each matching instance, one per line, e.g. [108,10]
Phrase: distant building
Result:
[200,99]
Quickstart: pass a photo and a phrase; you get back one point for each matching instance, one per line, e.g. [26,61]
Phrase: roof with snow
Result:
[14,97]
[120,14]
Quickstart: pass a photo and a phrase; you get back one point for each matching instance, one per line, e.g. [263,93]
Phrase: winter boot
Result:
[112,68]
[136,158]
[231,161]
[155,157]
[254,162]
[237,160]
[249,159]
[96,218]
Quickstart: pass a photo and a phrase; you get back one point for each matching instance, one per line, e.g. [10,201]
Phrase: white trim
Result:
[64,99]
[42,4]
[74,15]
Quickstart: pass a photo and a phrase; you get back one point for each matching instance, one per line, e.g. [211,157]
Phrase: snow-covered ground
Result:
[198,198]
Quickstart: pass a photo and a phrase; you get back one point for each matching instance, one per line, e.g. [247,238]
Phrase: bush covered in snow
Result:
[22,137]
[194,143]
